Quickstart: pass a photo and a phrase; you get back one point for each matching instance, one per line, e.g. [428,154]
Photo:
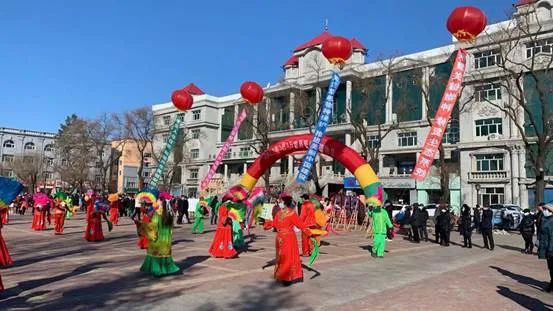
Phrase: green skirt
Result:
[159,266]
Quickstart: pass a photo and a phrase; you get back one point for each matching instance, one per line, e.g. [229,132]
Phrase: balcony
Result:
[489,176]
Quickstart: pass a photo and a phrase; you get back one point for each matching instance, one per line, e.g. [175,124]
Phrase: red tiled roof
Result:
[356,45]
[291,61]
[315,41]
[525,2]
[192,89]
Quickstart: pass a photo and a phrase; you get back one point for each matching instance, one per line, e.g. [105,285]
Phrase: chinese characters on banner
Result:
[322,123]
[223,150]
[171,140]
[441,119]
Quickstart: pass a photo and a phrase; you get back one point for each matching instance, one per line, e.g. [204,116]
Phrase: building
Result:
[124,177]
[400,95]
[17,143]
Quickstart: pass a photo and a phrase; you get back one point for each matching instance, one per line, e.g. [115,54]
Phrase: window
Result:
[9,144]
[196,115]
[7,158]
[195,134]
[9,173]
[488,91]
[451,135]
[407,139]
[194,173]
[30,146]
[180,116]
[373,141]
[49,148]
[195,153]
[98,178]
[490,196]
[487,59]
[146,174]
[489,162]
[228,155]
[164,138]
[147,155]
[543,46]
[64,162]
[192,192]
[28,159]
[49,162]
[99,164]
[166,120]
[245,152]
[48,175]
[486,127]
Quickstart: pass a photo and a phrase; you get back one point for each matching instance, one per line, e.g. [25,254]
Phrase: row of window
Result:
[493,57]
[196,115]
[28,146]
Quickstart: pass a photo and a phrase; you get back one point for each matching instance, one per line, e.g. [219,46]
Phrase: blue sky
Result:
[86,57]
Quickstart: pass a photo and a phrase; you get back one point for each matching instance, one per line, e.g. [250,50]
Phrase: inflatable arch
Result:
[330,147]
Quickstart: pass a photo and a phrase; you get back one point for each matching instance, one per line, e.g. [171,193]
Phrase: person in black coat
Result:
[476,217]
[444,225]
[423,231]
[416,219]
[465,226]
[182,208]
[527,231]
[486,227]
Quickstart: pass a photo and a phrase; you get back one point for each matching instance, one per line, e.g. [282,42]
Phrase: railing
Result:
[488,175]
[393,172]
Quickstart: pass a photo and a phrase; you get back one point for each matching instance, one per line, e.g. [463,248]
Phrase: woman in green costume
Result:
[159,261]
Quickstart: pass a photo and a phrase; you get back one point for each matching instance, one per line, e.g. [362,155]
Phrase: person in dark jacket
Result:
[182,208]
[476,217]
[423,231]
[465,226]
[545,248]
[389,209]
[527,230]
[486,227]
[416,220]
[538,219]
[213,207]
[444,225]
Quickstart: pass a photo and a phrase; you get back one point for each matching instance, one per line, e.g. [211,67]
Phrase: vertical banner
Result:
[171,140]
[324,118]
[441,119]
[224,149]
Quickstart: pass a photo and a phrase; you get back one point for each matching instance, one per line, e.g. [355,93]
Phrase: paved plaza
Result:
[68,273]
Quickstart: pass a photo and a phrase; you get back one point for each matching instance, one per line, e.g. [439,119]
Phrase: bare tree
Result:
[525,62]
[139,127]
[29,168]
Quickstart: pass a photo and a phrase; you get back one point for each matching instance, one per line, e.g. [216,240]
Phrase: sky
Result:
[92,56]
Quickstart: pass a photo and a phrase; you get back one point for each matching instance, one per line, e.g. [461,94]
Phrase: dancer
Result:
[222,246]
[159,230]
[288,266]
[5,258]
[41,202]
[145,205]
[60,208]
[97,211]
[9,189]
[321,218]
[381,223]
[114,208]
[5,216]
[199,212]
[307,216]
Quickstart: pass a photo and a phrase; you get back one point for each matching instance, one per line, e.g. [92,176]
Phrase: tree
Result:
[102,131]
[29,168]
[73,147]
[139,127]
[259,120]
[524,60]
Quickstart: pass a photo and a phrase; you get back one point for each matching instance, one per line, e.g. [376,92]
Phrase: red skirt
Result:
[38,221]
[288,265]
[114,216]
[1,285]
[5,258]
[59,220]
[94,231]
[222,247]
[5,216]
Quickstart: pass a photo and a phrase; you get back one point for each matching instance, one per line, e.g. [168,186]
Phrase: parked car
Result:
[502,211]
[431,208]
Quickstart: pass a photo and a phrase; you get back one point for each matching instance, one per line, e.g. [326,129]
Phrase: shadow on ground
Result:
[539,285]
[524,301]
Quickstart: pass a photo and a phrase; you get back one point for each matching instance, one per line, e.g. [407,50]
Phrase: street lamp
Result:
[478,187]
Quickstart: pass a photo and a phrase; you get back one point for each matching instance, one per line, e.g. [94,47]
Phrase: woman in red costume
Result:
[4,216]
[94,231]
[288,266]
[41,202]
[114,208]
[59,211]
[5,258]
[307,216]
[222,247]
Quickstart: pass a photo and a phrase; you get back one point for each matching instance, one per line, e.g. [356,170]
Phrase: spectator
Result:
[444,225]
[465,226]
[527,231]
[416,221]
[423,231]
[545,248]
[476,215]
[486,227]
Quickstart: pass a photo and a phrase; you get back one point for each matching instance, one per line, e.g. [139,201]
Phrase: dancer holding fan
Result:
[9,189]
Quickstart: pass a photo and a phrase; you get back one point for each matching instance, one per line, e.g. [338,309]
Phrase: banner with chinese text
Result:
[441,119]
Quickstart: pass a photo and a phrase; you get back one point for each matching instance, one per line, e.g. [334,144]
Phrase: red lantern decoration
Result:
[182,100]
[251,92]
[337,49]
[467,22]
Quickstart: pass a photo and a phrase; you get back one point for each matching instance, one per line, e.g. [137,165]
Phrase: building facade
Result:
[396,99]
[124,173]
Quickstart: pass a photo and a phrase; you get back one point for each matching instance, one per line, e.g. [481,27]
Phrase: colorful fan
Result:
[238,192]
[102,206]
[9,189]
[146,197]
[41,199]
[165,196]
[60,196]
[114,197]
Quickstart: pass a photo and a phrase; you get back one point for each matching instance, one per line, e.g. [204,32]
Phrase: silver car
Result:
[502,211]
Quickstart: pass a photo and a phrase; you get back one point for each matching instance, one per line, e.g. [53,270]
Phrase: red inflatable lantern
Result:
[465,23]
[337,49]
[251,92]
[182,100]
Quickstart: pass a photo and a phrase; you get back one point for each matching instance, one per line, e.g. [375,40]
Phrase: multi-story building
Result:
[124,173]
[17,142]
[396,97]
